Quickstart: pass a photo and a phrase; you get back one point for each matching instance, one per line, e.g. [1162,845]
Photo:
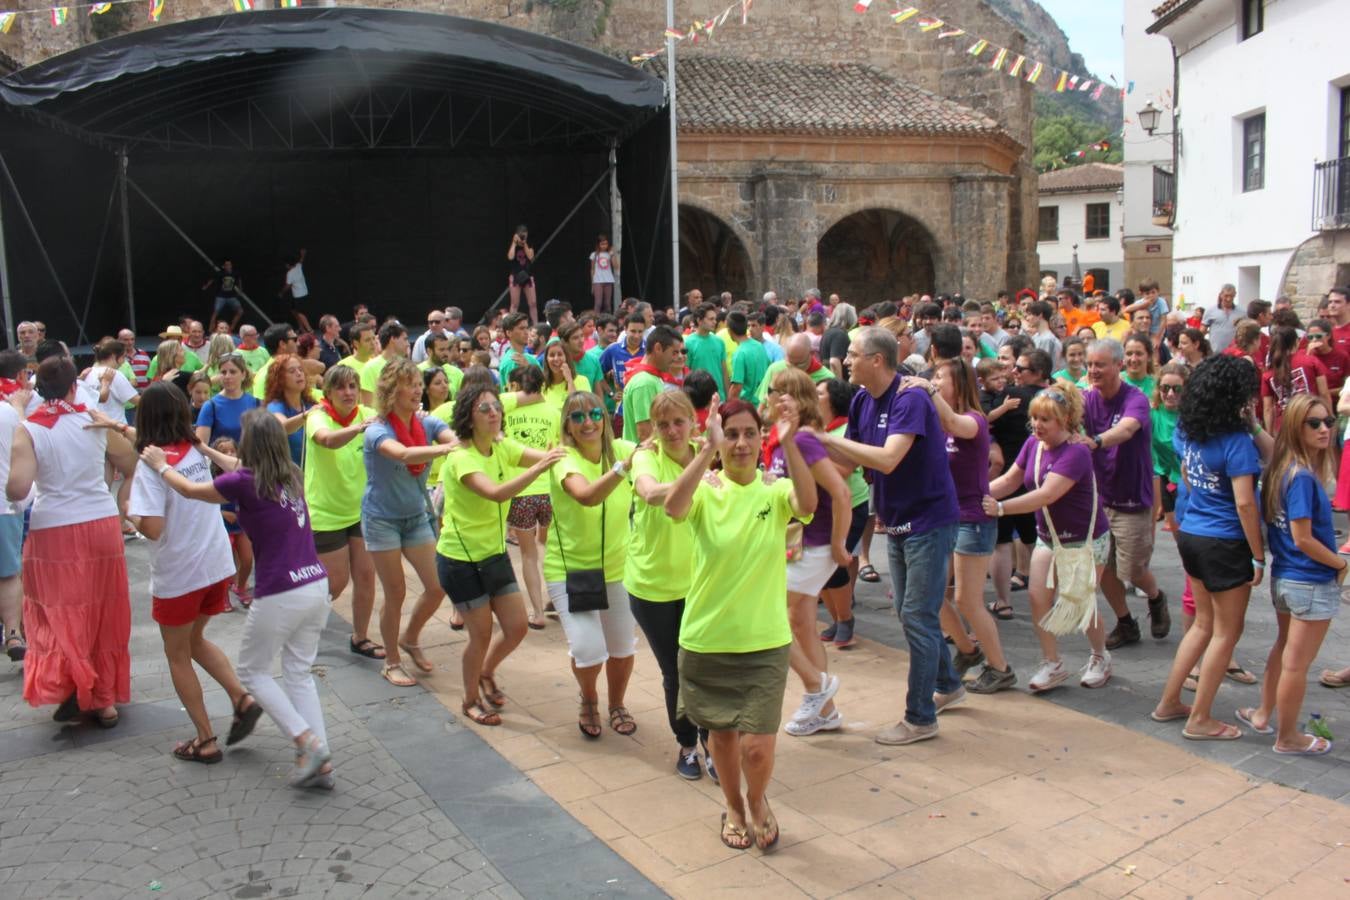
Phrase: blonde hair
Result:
[585,401]
[396,372]
[799,386]
[1062,401]
[220,346]
[1293,454]
[166,357]
[672,403]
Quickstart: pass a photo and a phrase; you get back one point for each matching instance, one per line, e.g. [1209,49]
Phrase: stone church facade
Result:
[817,147]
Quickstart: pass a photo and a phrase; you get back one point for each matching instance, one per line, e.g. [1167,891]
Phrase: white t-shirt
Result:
[193,551]
[120,393]
[69,487]
[83,396]
[9,420]
[295,277]
[604,268]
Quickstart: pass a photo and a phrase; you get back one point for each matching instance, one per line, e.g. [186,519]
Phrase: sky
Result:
[1093,27]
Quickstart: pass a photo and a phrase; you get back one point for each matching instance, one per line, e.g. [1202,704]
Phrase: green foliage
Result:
[118,20]
[1058,135]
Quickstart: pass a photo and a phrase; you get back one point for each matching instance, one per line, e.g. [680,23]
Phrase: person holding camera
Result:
[521,256]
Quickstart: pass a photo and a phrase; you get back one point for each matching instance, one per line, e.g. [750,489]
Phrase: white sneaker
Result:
[947,701]
[800,728]
[813,703]
[1097,672]
[1049,675]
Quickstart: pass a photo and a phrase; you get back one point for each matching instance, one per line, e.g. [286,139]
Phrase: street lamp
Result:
[1148,118]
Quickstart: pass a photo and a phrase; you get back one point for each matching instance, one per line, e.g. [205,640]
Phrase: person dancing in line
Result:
[76,611]
[657,574]
[335,481]
[521,255]
[735,638]
[534,422]
[1060,482]
[1306,569]
[590,544]
[1220,539]
[285,398]
[819,550]
[397,448]
[191,565]
[479,478]
[291,608]
[834,396]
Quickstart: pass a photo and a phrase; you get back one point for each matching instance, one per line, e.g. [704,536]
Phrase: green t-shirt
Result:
[748,368]
[708,354]
[254,358]
[474,528]
[588,367]
[735,602]
[537,426]
[334,479]
[1064,374]
[659,548]
[592,358]
[452,374]
[353,363]
[1144,384]
[579,528]
[509,362]
[191,363]
[638,395]
[1166,465]
[823,373]
[370,372]
[858,490]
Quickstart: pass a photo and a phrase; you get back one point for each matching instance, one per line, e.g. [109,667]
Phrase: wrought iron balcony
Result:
[1331,194]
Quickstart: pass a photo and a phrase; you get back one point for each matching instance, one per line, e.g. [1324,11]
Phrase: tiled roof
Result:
[1081,179]
[722,94]
[1166,7]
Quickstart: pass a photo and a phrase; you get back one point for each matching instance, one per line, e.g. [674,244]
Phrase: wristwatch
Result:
[1096,442]
[620,468]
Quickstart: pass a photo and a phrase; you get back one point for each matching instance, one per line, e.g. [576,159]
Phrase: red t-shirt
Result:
[1340,335]
[1304,369]
[1235,350]
[1337,363]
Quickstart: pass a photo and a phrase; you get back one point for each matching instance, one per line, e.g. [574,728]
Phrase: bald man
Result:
[798,353]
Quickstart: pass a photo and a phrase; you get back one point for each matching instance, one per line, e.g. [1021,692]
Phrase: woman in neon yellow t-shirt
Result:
[735,638]
[335,479]
[471,560]
[536,423]
[591,497]
[657,572]
[560,374]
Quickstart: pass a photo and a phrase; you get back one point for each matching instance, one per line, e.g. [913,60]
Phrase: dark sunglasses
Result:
[1312,422]
[579,417]
[1023,368]
[488,406]
[1013,326]
[1316,336]
[1170,388]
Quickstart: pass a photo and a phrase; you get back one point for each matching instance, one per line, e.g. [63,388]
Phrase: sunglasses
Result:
[1170,388]
[488,407]
[1316,336]
[1013,326]
[1022,368]
[1328,423]
[579,417]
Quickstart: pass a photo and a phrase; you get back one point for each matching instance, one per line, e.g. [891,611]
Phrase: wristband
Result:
[1259,563]
[620,468]
[164,468]
[998,504]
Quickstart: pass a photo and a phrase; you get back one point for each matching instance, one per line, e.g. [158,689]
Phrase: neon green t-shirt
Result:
[370,372]
[259,388]
[474,528]
[446,413]
[536,425]
[353,363]
[748,367]
[823,373]
[191,363]
[578,527]
[735,602]
[592,371]
[708,354]
[453,375]
[254,358]
[858,490]
[556,394]
[659,548]
[638,395]
[334,479]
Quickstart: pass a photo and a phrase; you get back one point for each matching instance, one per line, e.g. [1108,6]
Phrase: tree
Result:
[1058,137]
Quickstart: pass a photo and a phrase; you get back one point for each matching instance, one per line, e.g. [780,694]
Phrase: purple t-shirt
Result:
[1125,471]
[817,532]
[918,495]
[968,459]
[1073,511]
[282,540]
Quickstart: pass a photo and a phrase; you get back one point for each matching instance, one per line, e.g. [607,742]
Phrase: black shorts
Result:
[1220,564]
[1169,497]
[1022,526]
[855,532]
[328,541]
[470,585]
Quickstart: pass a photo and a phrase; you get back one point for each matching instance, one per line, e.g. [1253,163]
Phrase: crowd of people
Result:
[712,476]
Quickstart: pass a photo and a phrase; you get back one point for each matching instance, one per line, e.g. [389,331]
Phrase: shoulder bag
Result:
[1074,569]
[586,587]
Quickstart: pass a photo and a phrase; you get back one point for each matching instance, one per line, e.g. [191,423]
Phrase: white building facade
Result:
[1149,180]
[1263,109]
[1080,214]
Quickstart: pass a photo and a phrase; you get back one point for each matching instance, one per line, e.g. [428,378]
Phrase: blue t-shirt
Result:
[392,491]
[616,356]
[1209,470]
[773,350]
[222,415]
[1304,498]
[296,438]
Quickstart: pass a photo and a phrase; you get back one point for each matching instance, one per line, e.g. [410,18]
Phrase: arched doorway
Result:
[875,255]
[712,257]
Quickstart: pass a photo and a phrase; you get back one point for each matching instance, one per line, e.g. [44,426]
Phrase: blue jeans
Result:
[919,580]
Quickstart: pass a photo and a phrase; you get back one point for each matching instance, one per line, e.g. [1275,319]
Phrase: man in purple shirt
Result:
[1118,427]
[894,431]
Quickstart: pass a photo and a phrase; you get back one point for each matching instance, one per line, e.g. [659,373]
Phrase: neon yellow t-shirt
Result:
[736,599]
[537,425]
[353,363]
[659,548]
[370,372]
[446,413]
[453,375]
[259,388]
[334,479]
[474,528]
[556,394]
[254,358]
[578,527]
[824,373]
[191,363]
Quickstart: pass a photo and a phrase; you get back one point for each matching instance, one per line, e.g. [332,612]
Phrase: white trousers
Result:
[594,637]
[289,623]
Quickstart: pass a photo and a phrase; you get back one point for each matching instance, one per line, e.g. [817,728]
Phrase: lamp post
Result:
[1148,118]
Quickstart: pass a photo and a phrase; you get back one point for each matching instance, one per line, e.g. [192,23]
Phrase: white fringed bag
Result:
[1075,570]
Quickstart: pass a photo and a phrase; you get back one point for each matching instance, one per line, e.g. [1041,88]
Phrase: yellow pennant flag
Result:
[1063,80]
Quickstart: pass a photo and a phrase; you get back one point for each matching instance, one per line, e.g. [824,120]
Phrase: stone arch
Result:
[713,258]
[877,254]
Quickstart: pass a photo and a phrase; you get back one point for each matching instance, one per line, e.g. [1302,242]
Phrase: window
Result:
[1098,221]
[1254,152]
[1343,130]
[1049,228]
[1101,279]
[1253,18]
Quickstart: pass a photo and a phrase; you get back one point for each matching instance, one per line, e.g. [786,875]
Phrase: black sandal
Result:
[588,719]
[621,721]
[191,751]
[1002,611]
[15,647]
[869,574]
[244,720]
[1018,582]
[367,648]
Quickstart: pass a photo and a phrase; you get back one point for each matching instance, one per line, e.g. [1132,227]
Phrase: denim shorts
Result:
[396,533]
[11,544]
[1307,602]
[976,538]
[1101,546]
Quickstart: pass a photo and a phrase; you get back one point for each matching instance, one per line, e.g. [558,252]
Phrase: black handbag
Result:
[586,587]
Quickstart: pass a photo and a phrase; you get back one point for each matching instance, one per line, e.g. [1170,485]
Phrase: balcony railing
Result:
[1164,196]
[1331,194]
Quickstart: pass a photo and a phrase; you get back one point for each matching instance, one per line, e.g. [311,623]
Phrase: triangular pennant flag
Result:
[1035,74]
[99,9]
[6,22]
[725,13]
[978,47]
[955,32]
[1098,92]
[999,58]
[156,10]
[1063,80]
[861,6]
[289,4]
[1087,83]
[745,10]
[1016,69]
[901,15]
[929,24]
[60,14]
[242,5]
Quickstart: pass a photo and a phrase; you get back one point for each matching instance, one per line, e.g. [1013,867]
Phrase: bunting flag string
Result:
[1102,146]
[156,10]
[6,22]
[60,15]
[99,9]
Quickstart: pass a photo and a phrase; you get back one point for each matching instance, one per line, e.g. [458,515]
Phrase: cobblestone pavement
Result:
[423,808]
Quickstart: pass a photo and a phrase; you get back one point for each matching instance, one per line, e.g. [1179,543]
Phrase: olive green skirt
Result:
[734,691]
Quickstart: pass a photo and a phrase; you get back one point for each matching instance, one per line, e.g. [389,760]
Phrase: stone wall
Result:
[1319,264]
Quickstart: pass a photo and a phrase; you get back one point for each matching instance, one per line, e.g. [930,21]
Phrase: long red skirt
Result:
[77,615]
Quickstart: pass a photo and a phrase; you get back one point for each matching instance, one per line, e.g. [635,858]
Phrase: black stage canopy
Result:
[399,148]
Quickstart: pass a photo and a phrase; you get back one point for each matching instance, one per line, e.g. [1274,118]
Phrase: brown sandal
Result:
[588,718]
[621,721]
[191,751]
[419,659]
[480,714]
[487,686]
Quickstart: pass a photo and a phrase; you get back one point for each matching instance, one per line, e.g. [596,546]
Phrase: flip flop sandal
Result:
[621,721]
[1228,733]
[244,720]
[869,574]
[1191,684]
[366,648]
[191,751]
[1018,582]
[762,841]
[1320,746]
[1172,717]
[487,686]
[419,658]
[1332,680]
[1002,611]
[537,626]
[481,715]
[731,832]
[1245,717]
[1240,675]
[397,676]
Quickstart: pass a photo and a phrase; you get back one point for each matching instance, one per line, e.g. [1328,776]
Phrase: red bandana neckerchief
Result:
[410,435]
[815,366]
[640,364]
[835,423]
[48,413]
[174,453]
[343,421]
[9,386]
